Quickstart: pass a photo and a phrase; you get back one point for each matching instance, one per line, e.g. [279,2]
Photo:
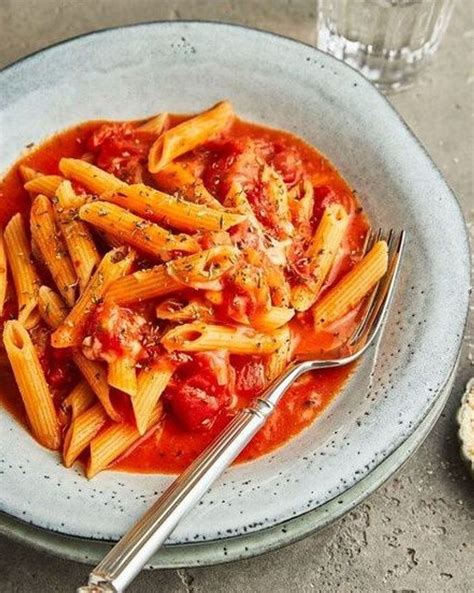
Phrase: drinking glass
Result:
[388,41]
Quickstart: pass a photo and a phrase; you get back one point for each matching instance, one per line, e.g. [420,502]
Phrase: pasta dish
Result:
[157,275]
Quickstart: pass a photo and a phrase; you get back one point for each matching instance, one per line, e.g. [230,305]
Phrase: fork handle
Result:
[126,559]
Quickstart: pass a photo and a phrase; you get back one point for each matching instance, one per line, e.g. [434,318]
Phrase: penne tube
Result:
[177,177]
[112,241]
[198,194]
[115,440]
[91,177]
[28,173]
[177,309]
[188,135]
[322,252]
[114,265]
[23,271]
[122,375]
[206,266]
[155,125]
[277,193]
[95,374]
[301,204]
[237,198]
[201,337]
[275,317]
[151,384]
[52,308]
[44,184]
[355,285]
[182,214]
[3,273]
[278,284]
[53,312]
[79,399]
[142,234]
[143,285]
[215,297]
[32,384]
[46,236]
[82,430]
[277,362]
[82,250]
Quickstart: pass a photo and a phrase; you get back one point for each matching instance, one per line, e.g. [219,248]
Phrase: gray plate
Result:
[132,71]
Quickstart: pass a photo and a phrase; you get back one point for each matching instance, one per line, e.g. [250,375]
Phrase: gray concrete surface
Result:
[416,533]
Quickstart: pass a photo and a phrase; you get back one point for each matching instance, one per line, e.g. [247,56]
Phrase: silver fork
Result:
[127,558]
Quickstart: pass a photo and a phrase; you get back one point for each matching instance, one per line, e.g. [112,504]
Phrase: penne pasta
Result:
[80,244]
[237,198]
[177,177]
[155,125]
[44,184]
[115,440]
[143,285]
[349,291]
[32,384]
[206,266]
[275,317]
[24,274]
[215,297]
[54,312]
[189,134]
[182,214]
[79,399]
[91,177]
[278,285]
[301,204]
[95,374]
[3,273]
[277,194]
[122,375]
[176,309]
[152,382]
[189,287]
[322,252]
[114,265]
[202,337]
[28,173]
[52,308]
[277,362]
[46,236]
[82,430]
[129,228]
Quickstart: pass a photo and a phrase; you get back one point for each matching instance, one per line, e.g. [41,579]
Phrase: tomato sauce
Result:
[172,448]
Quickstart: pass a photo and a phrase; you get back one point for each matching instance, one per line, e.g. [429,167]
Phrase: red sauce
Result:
[171,449]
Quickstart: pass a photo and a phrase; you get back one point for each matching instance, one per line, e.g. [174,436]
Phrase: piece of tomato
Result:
[288,163]
[121,150]
[250,375]
[222,156]
[200,390]
[114,331]
[58,367]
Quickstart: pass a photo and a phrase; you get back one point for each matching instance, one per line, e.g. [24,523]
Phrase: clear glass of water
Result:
[388,41]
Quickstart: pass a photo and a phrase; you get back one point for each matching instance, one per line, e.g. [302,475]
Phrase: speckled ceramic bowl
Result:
[132,71]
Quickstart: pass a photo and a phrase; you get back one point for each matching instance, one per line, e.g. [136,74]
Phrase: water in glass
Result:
[389,41]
